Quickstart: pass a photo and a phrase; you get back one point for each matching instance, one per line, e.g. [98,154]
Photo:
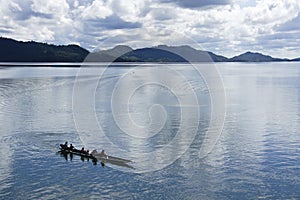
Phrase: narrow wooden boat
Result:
[113,160]
[77,152]
[98,157]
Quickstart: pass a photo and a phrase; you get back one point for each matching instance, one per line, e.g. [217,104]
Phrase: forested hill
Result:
[18,51]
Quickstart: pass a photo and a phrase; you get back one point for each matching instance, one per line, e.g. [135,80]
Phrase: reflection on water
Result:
[256,157]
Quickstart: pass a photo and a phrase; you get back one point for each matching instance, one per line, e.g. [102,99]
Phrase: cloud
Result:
[163,14]
[112,22]
[96,10]
[57,7]
[130,10]
[21,10]
[5,30]
[197,3]
[24,10]
[35,20]
[292,25]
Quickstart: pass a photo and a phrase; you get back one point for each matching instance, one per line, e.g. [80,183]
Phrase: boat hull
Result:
[97,157]
[77,153]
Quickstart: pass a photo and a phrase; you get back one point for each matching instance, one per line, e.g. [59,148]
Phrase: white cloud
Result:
[291,25]
[97,10]
[196,4]
[163,14]
[53,7]
[127,10]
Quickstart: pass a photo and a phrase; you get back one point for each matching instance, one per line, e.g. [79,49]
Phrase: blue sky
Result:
[227,27]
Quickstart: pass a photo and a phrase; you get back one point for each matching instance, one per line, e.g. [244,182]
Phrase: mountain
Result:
[161,53]
[118,50]
[193,55]
[16,51]
[109,55]
[296,59]
[152,55]
[254,57]
[127,54]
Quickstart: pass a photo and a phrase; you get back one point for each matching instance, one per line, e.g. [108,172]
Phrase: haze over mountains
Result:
[17,51]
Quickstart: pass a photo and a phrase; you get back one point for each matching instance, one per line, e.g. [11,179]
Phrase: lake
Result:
[165,118]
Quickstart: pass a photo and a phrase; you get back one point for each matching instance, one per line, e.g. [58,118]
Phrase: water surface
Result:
[256,157]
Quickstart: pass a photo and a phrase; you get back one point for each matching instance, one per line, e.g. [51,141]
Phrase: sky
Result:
[225,27]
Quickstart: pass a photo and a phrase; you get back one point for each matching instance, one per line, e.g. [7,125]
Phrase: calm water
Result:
[256,157]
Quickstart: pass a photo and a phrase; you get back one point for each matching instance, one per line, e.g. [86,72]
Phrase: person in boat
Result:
[64,146]
[94,152]
[83,150]
[103,154]
[71,147]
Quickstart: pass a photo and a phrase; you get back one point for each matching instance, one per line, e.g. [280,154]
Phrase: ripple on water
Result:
[256,157]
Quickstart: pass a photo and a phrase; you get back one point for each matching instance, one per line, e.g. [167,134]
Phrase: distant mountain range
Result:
[17,51]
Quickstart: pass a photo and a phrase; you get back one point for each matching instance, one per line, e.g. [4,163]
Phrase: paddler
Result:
[103,154]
